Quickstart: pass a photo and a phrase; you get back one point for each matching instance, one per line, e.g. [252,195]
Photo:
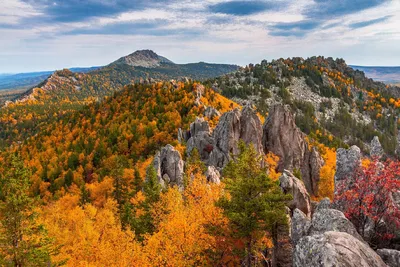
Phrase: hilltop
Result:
[332,102]
[140,66]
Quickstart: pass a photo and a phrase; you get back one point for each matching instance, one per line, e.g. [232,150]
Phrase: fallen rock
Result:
[282,137]
[291,185]
[390,256]
[334,249]
[169,167]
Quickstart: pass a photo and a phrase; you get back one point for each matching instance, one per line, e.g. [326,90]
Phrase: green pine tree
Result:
[256,203]
[23,242]
[144,223]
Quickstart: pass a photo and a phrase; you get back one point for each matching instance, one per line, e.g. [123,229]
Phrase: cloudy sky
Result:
[53,34]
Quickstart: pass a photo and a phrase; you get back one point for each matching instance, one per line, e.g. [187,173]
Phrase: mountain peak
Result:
[143,58]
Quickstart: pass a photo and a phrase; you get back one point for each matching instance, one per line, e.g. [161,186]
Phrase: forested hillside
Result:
[334,103]
[172,173]
[66,91]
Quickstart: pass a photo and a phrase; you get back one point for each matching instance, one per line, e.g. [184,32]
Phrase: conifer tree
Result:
[255,204]
[23,242]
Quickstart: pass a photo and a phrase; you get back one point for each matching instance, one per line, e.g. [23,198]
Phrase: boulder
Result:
[291,185]
[376,148]
[213,175]
[347,161]
[282,137]
[334,249]
[325,220]
[390,256]
[329,239]
[169,167]
[300,225]
[323,204]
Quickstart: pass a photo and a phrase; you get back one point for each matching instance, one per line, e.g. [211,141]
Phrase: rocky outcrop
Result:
[376,148]
[200,138]
[227,132]
[347,161]
[213,175]
[282,137]
[204,144]
[332,249]
[211,112]
[300,226]
[251,128]
[169,167]
[199,93]
[199,125]
[329,239]
[233,126]
[390,256]
[291,185]
[325,220]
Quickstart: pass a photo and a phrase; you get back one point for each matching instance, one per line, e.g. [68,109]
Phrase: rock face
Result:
[211,112]
[376,148]
[325,220]
[291,185]
[169,167]
[213,175]
[282,137]
[227,132]
[347,161]
[300,226]
[251,128]
[233,126]
[200,138]
[329,239]
[390,257]
[332,249]
[199,125]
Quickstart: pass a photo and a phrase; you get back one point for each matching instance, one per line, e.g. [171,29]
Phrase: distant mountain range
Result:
[390,75]
[140,64]
[30,79]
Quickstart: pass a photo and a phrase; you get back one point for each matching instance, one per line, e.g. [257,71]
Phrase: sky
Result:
[38,35]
